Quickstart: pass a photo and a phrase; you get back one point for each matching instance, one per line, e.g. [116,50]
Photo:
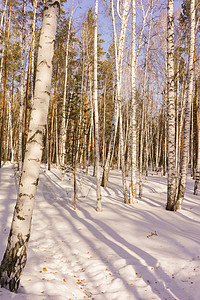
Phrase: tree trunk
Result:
[197,171]
[2,38]
[96,115]
[21,145]
[133,119]
[171,188]
[52,120]
[186,142]
[15,256]
[4,93]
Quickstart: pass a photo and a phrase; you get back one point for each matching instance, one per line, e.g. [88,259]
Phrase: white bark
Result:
[20,144]
[171,107]
[186,142]
[197,171]
[144,104]
[96,115]
[33,51]
[15,256]
[2,38]
[119,50]
[197,174]
[133,119]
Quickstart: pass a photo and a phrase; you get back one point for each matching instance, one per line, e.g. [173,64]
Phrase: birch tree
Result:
[186,141]
[143,102]
[119,51]
[133,120]
[197,171]
[171,188]
[2,38]
[15,256]
[96,115]
[20,145]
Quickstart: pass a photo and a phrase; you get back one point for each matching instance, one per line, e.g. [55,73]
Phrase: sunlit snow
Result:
[138,251]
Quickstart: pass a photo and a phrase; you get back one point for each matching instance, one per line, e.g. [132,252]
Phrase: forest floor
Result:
[138,251]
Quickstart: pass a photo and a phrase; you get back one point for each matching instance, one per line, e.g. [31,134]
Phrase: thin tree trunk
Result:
[3,106]
[27,102]
[171,188]
[2,38]
[197,171]
[133,119]
[96,115]
[20,145]
[33,52]
[52,120]
[186,142]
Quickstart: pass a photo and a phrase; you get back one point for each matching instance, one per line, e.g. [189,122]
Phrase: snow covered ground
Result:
[138,251]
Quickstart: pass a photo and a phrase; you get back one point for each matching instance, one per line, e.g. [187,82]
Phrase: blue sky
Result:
[104,22]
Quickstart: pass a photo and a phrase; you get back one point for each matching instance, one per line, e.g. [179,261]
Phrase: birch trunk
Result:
[33,51]
[197,171]
[143,104]
[15,256]
[171,188]
[186,142]
[96,115]
[119,47]
[20,144]
[133,119]
[2,38]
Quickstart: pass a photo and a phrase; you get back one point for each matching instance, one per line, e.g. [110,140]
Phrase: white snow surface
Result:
[138,251]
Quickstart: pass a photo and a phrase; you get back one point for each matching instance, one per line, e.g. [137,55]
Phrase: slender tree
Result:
[170,107]
[133,120]
[96,115]
[186,141]
[20,145]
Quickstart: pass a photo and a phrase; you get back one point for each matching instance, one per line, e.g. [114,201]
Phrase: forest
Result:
[108,95]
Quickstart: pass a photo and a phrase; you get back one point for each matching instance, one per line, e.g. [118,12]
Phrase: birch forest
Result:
[76,96]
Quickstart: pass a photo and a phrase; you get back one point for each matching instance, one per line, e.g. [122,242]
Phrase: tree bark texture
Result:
[171,107]
[15,256]
[186,141]
[96,115]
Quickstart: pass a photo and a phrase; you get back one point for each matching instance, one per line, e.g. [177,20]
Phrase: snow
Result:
[138,251]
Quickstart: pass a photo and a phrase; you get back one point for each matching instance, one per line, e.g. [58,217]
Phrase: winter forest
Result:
[99,149]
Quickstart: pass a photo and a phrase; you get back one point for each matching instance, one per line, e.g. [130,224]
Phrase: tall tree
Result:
[96,114]
[171,107]
[133,192]
[20,145]
[186,141]
[197,172]
[15,256]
